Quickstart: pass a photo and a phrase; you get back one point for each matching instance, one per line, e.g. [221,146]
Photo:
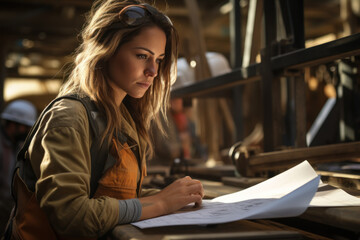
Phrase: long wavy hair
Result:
[88,75]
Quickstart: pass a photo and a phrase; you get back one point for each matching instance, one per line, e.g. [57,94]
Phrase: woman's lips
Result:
[144,84]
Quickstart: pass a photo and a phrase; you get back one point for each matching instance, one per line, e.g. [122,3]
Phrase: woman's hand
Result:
[175,196]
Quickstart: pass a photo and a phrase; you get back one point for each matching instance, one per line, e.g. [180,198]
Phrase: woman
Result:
[124,66]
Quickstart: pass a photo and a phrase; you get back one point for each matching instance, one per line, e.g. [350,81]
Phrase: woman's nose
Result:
[151,69]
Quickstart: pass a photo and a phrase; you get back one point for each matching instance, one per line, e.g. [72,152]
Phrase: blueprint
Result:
[288,194]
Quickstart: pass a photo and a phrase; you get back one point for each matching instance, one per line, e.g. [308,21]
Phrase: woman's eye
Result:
[159,60]
[141,56]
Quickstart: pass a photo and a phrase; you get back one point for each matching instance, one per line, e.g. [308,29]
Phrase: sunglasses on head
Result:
[135,15]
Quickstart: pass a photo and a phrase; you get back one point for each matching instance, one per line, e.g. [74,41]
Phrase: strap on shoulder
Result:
[98,151]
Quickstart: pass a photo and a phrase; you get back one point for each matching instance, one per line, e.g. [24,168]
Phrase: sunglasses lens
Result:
[155,12]
[133,16]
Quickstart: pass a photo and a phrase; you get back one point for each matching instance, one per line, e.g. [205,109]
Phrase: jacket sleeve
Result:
[60,156]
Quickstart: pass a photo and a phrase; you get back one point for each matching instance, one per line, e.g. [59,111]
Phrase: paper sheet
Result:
[285,195]
[328,196]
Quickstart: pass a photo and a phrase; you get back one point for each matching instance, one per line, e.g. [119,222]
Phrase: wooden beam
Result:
[253,30]
[285,159]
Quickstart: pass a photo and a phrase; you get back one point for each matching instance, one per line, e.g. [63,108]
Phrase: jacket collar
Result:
[129,128]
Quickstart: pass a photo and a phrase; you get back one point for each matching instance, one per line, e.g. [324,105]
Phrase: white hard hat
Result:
[20,111]
[218,63]
[185,74]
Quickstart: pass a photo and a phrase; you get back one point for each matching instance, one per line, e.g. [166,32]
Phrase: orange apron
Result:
[121,181]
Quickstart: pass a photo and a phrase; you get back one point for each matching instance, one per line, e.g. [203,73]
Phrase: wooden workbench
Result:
[257,229]
[315,223]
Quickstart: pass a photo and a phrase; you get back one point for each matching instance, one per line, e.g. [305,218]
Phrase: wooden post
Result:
[208,109]
[236,62]
[252,37]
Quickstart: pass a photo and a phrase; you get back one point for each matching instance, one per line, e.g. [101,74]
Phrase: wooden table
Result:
[257,229]
[315,223]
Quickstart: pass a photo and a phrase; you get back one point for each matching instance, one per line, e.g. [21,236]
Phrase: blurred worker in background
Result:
[180,142]
[16,121]
[182,125]
[166,147]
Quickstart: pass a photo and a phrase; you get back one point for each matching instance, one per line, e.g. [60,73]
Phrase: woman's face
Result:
[134,66]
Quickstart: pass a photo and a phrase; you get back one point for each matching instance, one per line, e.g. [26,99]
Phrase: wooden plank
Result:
[306,234]
[300,111]
[253,29]
[237,235]
[339,217]
[241,182]
[251,229]
[267,98]
[247,165]
[278,119]
[348,182]
[307,153]
[211,173]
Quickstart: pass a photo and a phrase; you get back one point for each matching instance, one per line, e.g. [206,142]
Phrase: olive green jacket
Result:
[60,156]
